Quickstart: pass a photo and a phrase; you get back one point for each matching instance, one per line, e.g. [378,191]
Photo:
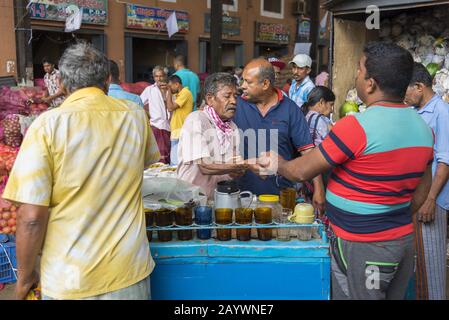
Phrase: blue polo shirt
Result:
[436,114]
[284,130]
[117,92]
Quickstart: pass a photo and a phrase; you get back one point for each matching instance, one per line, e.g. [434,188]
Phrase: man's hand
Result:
[32,224]
[319,201]
[237,174]
[269,163]
[426,213]
[168,95]
[25,284]
[163,87]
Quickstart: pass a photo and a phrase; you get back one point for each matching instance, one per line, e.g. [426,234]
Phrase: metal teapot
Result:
[228,195]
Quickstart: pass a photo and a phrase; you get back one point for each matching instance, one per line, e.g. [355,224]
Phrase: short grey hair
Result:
[267,73]
[159,68]
[215,82]
[83,66]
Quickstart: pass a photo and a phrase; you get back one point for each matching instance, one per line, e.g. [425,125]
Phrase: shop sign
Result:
[94,11]
[139,17]
[272,32]
[231,25]
[304,27]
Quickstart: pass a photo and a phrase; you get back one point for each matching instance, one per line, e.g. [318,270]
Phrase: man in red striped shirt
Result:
[378,159]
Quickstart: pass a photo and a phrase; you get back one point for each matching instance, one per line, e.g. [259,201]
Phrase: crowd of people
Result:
[380,177]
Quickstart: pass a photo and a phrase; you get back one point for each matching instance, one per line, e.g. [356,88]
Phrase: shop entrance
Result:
[269,50]
[231,56]
[51,44]
[143,54]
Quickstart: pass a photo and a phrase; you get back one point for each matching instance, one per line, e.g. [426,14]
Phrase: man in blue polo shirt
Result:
[271,121]
[301,85]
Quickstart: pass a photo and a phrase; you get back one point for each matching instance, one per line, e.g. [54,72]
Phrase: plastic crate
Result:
[8,262]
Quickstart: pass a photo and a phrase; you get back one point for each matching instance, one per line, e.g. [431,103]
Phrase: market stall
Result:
[19,106]
[234,247]
[237,270]
[422,27]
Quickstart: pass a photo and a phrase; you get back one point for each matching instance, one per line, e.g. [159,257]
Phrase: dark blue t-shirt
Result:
[284,130]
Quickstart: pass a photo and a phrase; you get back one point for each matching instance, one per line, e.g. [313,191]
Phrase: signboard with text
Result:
[139,17]
[231,25]
[272,32]
[304,27]
[94,11]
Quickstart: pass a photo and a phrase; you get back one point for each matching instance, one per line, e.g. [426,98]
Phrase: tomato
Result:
[6,230]
[3,223]
[13,229]
[6,215]
[14,214]
[13,208]
[4,205]
[11,222]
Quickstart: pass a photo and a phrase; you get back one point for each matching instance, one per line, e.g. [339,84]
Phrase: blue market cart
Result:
[252,270]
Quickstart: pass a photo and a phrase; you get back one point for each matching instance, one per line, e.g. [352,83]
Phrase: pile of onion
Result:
[12,134]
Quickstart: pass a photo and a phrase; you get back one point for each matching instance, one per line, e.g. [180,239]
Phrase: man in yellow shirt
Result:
[78,178]
[181,108]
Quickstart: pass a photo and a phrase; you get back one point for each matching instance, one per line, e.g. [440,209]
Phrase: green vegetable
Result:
[347,107]
[433,68]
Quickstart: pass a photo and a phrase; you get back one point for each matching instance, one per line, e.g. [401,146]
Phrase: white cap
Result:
[302,60]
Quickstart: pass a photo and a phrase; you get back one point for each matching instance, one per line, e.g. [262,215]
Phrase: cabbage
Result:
[416,29]
[406,41]
[353,97]
[385,31]
[438,13]
[349,107]
[401,19]
[426,23]
[416,57]
[441,86]
[439,60]
[426,36]
[426,40]
[396,30]
[442,49]
[436,27]
[428,59]
[433,69]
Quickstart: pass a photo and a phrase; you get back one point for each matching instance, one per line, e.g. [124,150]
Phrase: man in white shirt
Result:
[153,98]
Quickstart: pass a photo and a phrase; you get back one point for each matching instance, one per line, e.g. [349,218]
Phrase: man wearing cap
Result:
[278,66]
[301,85]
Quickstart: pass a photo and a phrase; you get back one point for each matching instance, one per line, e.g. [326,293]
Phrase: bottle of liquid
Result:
[268,210]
